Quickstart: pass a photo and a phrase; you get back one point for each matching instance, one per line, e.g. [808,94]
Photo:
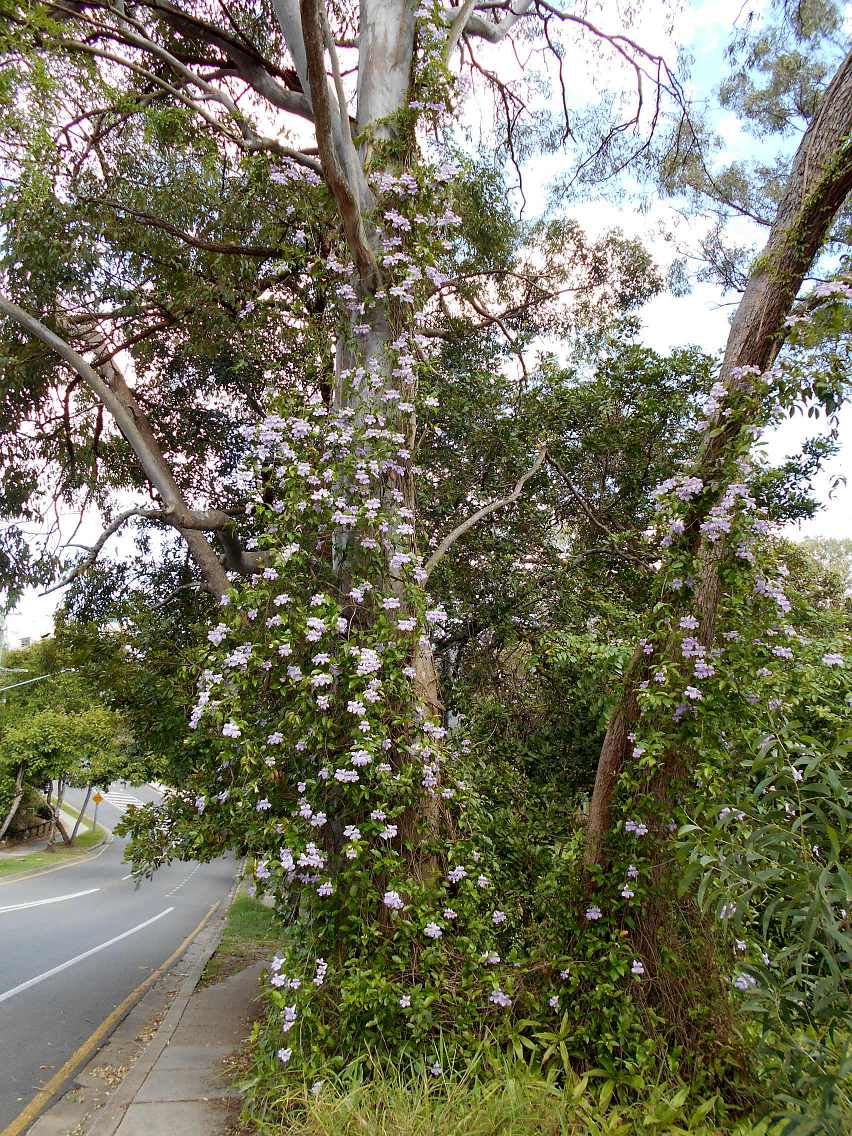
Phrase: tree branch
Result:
[182,519]
[117,397]
[486,29]
[345,194]
[451,537]
[590,513]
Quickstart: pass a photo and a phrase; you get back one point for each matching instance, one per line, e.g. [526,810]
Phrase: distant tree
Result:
[55,730]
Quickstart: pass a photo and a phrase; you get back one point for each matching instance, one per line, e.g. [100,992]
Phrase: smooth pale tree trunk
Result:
[16,801]
[79,820]
[385,56]
[819,184]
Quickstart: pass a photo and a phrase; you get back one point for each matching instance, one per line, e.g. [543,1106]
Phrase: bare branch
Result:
[591,514]
[451,537]
[457,28]
[344,193]
[487,29]
[213,520]
[112,391]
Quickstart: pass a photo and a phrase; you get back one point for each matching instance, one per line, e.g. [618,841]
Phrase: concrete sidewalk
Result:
[165,1065]
[179,1087]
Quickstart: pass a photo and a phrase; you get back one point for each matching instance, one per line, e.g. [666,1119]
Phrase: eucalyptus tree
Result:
[264,215]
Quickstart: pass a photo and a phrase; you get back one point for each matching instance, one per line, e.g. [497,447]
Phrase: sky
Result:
[702,28]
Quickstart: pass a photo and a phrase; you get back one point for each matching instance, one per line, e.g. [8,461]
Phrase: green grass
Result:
[37,861]
[512,1102]
[252,933]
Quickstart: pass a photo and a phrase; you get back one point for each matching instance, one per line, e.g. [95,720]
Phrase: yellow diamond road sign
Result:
[97,798]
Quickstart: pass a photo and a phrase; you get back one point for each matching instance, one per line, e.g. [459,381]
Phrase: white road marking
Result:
[79,958]
[185,880]
[127,877]
[40,902]
[122,800]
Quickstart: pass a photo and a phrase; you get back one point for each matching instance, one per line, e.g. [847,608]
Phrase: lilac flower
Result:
[231,730]
[498,917]
[284,1055]
[393,900]
[689,623]
[637,968]
[745,982]
[275,739]
[688,488]
[388,832]
[449,914]
[500,999]
[405,1001]
[263,805]
[482,882]
[200,803]
[432,931]
[637,828]
[627,892]
[553,1002]
[593,913]
[633,872]
[325,889]
[217,634]
[693,694]
[831,659]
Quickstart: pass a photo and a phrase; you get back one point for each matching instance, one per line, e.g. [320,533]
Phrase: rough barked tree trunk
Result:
[818,185]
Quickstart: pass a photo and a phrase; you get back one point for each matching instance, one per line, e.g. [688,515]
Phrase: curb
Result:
[112,1113]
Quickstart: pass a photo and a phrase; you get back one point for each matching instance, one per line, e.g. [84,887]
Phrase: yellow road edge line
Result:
[84,859]
[42,1098]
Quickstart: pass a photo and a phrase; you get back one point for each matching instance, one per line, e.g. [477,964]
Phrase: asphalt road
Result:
[74,943]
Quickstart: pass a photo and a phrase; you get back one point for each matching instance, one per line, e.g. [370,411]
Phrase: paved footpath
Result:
[178,1084]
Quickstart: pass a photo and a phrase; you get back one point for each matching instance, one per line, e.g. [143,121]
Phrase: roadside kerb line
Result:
[41,902]
[46,1093]
[79,958]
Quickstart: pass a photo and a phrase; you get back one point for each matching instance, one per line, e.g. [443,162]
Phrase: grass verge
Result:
[36,861]
[511,1101]
[251,934]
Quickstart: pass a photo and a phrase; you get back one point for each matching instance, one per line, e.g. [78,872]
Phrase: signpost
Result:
[97,798]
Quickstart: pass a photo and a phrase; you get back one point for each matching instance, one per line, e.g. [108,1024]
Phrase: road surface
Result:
[74,943]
